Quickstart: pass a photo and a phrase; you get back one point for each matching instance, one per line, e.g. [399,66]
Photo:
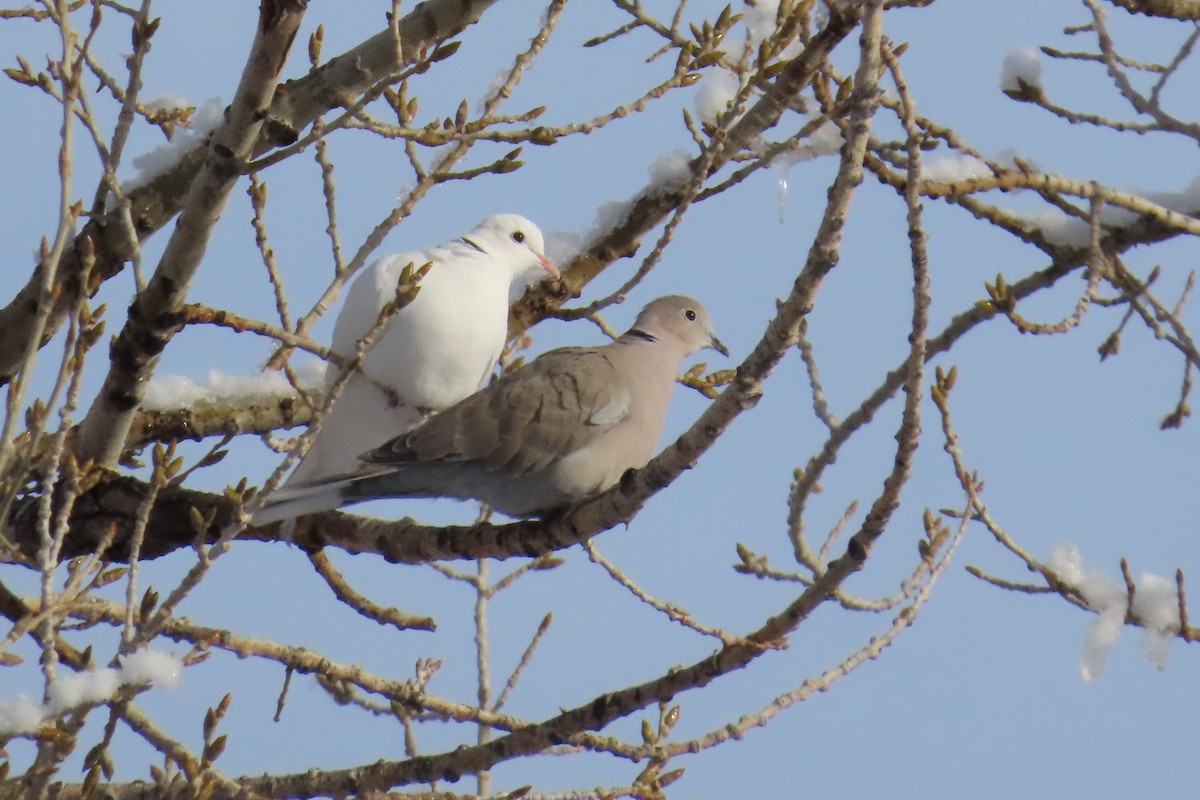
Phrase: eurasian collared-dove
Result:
[561,428]
[435,351]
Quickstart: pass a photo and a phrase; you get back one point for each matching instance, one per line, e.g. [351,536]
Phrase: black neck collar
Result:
[638,333]
[471,243]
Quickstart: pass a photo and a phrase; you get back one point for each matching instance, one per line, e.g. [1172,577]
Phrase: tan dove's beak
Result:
[548,265]
[719,346]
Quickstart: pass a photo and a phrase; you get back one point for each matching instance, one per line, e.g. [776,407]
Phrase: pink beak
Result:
[548,265]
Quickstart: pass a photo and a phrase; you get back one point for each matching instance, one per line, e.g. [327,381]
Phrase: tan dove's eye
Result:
[691,315]
[518,237]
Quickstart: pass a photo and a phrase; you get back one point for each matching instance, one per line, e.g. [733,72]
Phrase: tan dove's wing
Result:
[525,421]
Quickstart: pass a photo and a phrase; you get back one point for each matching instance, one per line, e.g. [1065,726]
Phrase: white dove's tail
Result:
[310,497]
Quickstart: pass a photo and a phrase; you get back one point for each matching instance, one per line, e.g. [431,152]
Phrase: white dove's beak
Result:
[548,265]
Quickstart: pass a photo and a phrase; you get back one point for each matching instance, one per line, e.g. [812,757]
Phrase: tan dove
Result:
[559,429]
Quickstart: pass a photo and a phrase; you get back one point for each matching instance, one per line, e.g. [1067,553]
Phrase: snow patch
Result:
[167,392]
[21,715]
[1105,595]
[760,20]
[1185,201]
[562,246]
[151,164]
[166,101]
[91,686]
[609,215]
[671,169]
[1007,157]
[954,167]
[1023,64]
[1062,229]
[154,667]
[1155,603]
[714,94]
[668,171]
[824,141]
[1057,226]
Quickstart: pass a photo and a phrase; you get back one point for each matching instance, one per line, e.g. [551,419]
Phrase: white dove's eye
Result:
[690,314]
[518,237]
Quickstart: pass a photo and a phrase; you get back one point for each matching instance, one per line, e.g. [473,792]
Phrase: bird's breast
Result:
[443,345]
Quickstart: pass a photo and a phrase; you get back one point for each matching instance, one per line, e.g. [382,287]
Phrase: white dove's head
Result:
[514,240]
[680,321]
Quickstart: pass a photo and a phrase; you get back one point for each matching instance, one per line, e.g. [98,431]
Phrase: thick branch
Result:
[201,421]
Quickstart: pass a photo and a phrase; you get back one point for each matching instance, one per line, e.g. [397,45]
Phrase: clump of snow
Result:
[1024,64]
[168,392]
[91,686]
[496,84]
[155,667]
[1007,157]
[609,215]
[954,167]
[1189,198]
[1185,201]
[1057,226]
[1117,216]
[1062,229]
[1154,602]
[151,164]
[714,93]
[20,714]
[562,246]
[760,20]
[1106,597]
[671,169]
[1157,604]
[166,102]
[825,141]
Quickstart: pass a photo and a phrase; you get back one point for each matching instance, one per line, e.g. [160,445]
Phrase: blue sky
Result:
[983,696]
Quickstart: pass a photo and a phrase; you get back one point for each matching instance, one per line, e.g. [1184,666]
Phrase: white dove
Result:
[435,351]
[564,427]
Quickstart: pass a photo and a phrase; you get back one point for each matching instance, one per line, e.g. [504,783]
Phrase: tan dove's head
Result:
[679,320]
[514,240]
